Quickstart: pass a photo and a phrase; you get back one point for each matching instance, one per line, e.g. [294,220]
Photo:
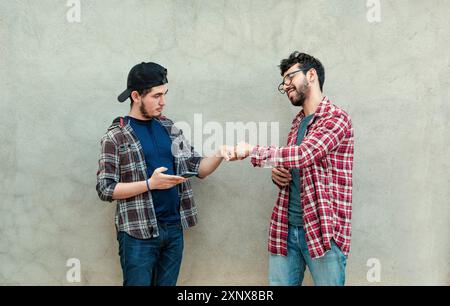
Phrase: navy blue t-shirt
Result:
[156,145]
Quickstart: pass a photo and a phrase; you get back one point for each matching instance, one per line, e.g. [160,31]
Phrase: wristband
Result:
[148,187]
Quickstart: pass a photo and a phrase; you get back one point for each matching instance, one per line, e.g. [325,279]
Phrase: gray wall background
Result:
[59,82]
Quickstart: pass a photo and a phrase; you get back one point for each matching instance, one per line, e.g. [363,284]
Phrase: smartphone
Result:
[188,174]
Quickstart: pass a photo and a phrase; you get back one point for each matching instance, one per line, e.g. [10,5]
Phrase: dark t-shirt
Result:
[156,145]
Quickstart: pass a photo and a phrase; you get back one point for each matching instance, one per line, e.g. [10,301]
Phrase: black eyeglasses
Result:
[287,80]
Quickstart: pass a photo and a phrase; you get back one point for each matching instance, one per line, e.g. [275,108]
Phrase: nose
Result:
[162,101]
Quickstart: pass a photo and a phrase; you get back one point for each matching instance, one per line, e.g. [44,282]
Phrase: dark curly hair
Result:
[306,62]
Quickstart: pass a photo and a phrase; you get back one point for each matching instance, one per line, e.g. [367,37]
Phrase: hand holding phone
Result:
[188,174]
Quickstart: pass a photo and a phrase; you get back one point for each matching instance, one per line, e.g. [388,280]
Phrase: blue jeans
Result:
[152,262]
[289,270]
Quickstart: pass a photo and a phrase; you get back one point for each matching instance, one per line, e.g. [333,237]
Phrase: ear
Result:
[135,95]
[312,75]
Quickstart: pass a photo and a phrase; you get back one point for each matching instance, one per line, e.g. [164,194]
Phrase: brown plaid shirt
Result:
[122,160]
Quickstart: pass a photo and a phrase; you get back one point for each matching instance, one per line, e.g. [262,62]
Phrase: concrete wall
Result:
[60,80]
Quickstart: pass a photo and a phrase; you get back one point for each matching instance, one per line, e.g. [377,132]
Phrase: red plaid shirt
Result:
[325,160]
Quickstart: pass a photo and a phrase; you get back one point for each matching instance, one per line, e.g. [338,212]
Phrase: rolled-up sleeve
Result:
[194,161]
[182,148]
[313,147]
[108,174]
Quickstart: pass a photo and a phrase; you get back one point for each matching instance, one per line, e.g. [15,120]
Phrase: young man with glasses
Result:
[311,220]
[142,165]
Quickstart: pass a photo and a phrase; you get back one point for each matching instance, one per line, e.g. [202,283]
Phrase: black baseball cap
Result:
[143,76]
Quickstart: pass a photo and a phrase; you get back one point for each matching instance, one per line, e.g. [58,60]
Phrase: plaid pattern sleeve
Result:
[325,159]
[193,159]
[314,147]
[108,174]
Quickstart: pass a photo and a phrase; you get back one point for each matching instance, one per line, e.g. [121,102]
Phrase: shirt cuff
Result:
[255,160]
[195,163]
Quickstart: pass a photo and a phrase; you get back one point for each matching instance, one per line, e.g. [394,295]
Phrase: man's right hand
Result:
[159,180]
[281,176]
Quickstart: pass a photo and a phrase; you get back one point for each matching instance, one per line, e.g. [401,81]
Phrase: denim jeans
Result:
[152,262]
[289,270]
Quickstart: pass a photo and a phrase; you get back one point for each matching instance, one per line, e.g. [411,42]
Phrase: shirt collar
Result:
[321,109]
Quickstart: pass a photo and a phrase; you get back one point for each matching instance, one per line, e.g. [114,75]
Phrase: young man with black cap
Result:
[142,160]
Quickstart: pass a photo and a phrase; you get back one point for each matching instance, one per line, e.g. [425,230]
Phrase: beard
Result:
[144,113]
[301,94]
